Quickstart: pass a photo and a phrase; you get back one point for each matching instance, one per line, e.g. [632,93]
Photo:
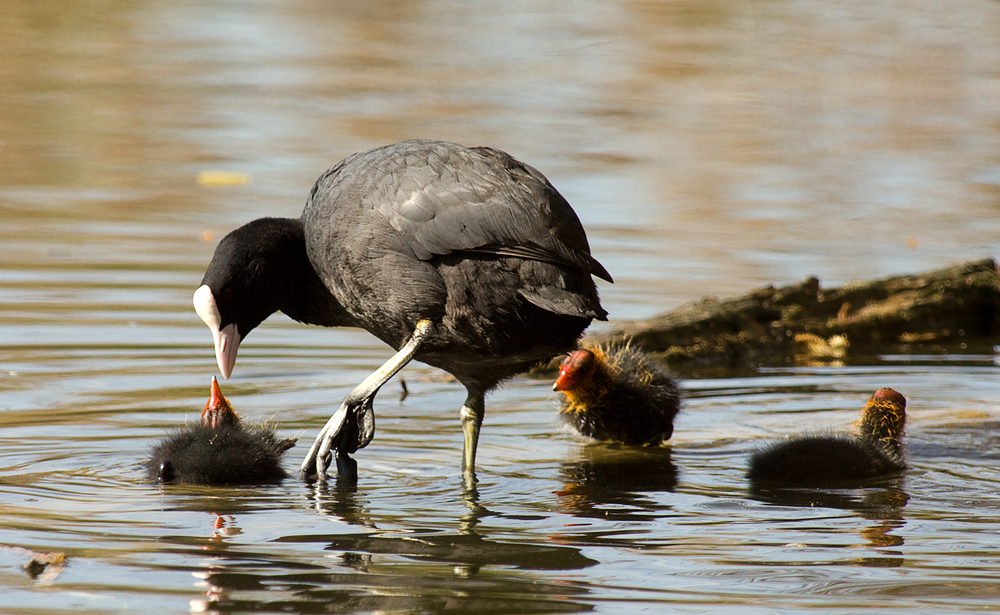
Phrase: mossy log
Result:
[957,304]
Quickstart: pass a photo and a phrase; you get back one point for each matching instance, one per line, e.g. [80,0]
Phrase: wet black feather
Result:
[222,456]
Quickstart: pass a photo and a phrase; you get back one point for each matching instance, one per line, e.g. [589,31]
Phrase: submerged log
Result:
[957,304]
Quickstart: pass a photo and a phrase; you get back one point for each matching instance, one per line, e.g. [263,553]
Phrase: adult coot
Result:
[221,450]
[463,258]
[814,459]
[619,394]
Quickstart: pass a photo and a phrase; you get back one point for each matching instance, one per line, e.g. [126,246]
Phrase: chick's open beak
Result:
[218,411]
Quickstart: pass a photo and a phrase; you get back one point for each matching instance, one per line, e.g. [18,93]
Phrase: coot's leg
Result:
[472,419]
[352,426]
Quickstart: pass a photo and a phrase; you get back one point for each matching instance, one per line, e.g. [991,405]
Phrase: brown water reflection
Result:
[613,482]
[733,144]
[709,147]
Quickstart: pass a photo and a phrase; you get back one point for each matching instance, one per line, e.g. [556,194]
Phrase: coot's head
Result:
[246,281]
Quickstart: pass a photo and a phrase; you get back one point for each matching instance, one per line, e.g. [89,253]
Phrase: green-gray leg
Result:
[472,419]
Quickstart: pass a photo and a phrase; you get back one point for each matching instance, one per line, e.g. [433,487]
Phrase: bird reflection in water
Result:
[610,481]
[466,549]
[216,547]
[881,501]
[341,501]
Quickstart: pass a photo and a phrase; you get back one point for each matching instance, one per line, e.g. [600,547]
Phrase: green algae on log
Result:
[767,326]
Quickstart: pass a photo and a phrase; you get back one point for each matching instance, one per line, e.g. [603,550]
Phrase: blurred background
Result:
[708,146]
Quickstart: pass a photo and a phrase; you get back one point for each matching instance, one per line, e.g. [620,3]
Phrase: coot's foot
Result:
[352,426]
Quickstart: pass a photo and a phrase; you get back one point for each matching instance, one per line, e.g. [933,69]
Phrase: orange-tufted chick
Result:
[619,394]
[813,459]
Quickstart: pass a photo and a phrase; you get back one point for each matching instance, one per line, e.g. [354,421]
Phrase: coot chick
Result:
[619,394]
[463,258]
[814,459]
[221,450]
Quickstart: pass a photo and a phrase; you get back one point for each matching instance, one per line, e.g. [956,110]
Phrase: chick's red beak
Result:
[218,411]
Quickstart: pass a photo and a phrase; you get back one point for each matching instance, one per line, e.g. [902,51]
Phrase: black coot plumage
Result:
[619,394]
[814,459]
[463,258]
[220,450]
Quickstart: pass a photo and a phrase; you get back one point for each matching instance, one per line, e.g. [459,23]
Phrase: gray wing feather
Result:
[496,205]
